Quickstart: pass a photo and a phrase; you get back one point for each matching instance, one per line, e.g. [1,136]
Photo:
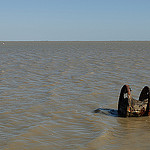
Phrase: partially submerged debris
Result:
[130,107]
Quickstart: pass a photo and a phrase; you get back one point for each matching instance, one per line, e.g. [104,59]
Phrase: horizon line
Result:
[74,41]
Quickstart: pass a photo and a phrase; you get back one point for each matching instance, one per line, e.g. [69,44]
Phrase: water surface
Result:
[48,91]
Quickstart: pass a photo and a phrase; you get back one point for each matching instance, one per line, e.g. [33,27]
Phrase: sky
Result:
[75,20]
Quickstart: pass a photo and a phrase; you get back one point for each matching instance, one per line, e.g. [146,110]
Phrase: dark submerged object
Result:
[130,107]
[107,111]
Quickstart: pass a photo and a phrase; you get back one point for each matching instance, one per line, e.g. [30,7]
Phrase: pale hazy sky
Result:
[74,20]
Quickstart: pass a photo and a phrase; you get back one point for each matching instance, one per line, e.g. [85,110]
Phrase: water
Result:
[48,91]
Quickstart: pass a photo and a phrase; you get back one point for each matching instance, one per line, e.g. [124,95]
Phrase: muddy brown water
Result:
[48,91]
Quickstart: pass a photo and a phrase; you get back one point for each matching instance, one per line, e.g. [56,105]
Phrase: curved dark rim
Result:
[124,102]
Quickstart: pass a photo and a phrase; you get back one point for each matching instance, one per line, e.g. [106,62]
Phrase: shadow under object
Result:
[130,107]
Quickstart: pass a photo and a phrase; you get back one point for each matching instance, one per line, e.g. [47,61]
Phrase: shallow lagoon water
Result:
[48,91]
